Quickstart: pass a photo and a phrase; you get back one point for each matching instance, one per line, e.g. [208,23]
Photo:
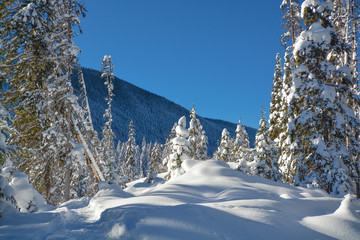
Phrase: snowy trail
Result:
[210,201]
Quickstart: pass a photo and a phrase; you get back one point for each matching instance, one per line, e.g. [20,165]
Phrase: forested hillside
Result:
[153,115]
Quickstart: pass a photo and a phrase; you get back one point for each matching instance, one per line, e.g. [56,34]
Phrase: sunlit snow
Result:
[209,201]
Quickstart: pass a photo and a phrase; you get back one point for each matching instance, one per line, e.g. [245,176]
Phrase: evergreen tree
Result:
[265,160]
[241,149]
[144,159]
[323,144]
[59,149]
[169,145]
[131,168]
[291,22]
[155,164]
[276,101]
[224,151]
[107,141]
[282,142]
[38,56]
[180,149]
[25,65]
[197,138]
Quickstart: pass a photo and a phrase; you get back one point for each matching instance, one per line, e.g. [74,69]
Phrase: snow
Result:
[209,201]
[27,198]
[320,7]
[316,35]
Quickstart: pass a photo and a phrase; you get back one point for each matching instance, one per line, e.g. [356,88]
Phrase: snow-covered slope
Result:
[210,201]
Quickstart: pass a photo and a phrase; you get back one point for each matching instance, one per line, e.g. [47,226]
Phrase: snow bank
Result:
[344,223]
[209,201]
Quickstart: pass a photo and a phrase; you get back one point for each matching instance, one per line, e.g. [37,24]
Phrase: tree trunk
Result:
[67,184]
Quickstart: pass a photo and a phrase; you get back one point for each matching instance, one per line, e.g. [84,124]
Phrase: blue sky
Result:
[216,54]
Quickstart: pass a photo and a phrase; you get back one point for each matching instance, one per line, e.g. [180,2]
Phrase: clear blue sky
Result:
[216,54]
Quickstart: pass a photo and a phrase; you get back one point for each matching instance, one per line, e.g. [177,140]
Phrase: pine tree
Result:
[265,160]
[197,138]
[354,16]
[40,53]
[241,149]
[144,159]
[323,144]
[224,151]
[282,142]
[24,66]
[180,149]
[131,168]
[155,164]
[291,22]
[59,147]
[169,145]
[107,141]
[276,101]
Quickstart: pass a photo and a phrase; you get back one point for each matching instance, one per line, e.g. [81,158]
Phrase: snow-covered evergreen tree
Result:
[155,164]
[144,159]
[180,149]
[169,145]
[107,141]
[276,101]
[291,22]
[265,159]
[197,138]
[131,167]
[24,66]
[323,145]
[225,150]
[241,148]
[282,142]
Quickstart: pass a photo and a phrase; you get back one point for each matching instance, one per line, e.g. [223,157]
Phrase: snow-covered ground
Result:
[210,201]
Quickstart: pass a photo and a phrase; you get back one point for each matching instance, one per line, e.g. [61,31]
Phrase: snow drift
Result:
[210,201]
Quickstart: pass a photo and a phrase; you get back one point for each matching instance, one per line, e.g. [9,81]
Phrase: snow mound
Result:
[27,198]
[344,223]
[209,201]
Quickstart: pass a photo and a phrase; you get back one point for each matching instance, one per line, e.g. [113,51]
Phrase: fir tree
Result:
[169,145]
[107,141]
[155,164]
[144,159]
[276,101]
[197,138]
[180,149]
[282,142]
[131,168]
[241,149]
[323,144]
[291,22]
[265,160]
[224,151]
